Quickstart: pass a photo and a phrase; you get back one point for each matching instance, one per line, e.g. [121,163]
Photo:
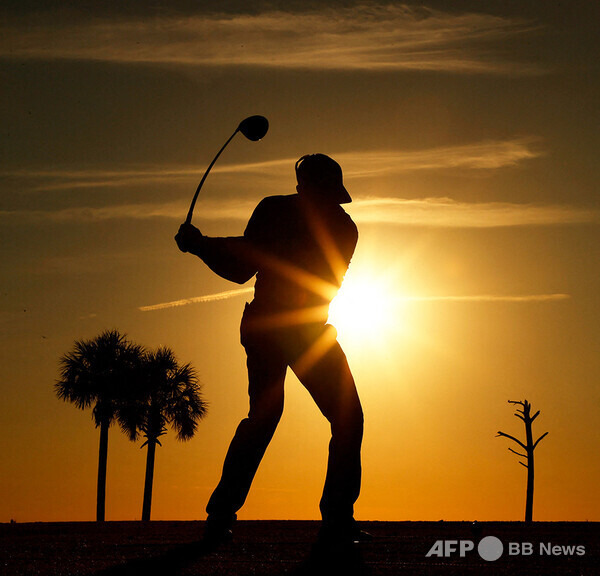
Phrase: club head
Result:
[254,127]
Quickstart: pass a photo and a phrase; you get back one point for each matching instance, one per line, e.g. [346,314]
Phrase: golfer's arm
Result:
[228,257]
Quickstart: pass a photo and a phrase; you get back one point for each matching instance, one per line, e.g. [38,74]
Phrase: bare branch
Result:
[538,440]
[516,402]
[514,439]
[525,465]
[519,416]
[518,453]
[535,416]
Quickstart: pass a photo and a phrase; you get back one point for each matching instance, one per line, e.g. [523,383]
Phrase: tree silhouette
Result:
[172,397]
[103,373]
[529,447]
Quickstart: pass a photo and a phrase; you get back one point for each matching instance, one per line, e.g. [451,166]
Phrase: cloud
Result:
[362,37]
[429,212]
[57,179]
[487,155]
[522,298]
[208,209]
[440,212]
[448,213]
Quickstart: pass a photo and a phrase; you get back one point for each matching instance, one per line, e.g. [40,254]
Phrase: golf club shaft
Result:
[188,220]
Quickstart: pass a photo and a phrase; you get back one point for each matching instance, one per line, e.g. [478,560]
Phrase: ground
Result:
[284,547]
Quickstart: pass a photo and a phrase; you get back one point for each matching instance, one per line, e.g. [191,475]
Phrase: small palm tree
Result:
[172,397]
[103,373]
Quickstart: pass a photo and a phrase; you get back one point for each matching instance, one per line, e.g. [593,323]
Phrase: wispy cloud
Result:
[487,155]
[445,212]
[65,179]
[362,37]
[236,209]
[198,299]
[517,298]
[430,212]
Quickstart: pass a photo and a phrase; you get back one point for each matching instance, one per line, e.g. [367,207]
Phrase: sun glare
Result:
[364,310]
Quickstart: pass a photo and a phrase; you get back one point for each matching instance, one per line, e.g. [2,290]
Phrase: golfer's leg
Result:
[330,383]
[266,390]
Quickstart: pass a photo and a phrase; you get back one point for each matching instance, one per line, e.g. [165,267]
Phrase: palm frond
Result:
[174,391]
[144,391]
[102,373]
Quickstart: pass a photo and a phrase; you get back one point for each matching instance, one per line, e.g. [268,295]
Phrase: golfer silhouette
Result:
[299,247]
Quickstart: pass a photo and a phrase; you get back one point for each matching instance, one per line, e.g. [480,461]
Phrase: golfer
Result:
[299,247]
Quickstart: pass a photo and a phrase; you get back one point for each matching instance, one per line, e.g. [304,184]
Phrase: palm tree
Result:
[172,398]
[102,372]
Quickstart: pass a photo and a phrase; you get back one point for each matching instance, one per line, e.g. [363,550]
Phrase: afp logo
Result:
[489,548]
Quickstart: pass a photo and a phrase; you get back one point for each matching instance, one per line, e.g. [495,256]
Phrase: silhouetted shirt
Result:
[301,251]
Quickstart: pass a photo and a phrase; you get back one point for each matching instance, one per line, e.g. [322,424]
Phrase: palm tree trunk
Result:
[102,459]
[149,480]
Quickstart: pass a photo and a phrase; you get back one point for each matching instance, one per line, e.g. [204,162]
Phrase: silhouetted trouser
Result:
[318,361]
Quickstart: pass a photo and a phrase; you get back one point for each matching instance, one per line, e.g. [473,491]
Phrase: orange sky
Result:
[468,138]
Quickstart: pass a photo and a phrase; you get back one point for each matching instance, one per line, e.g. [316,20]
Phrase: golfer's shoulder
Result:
[270,211]
[274,205]
[279,201]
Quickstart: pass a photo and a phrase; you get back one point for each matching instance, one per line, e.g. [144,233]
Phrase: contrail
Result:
[473,298]
[208,298]
[489,298]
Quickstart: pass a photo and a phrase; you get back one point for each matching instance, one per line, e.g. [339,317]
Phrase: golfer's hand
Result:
[188,238]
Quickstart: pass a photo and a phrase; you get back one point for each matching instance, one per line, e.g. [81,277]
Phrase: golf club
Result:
[254,128]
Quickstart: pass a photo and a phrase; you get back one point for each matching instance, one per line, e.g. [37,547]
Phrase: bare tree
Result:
[525,415]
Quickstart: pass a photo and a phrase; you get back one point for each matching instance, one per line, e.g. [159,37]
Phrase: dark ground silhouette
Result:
[277,547]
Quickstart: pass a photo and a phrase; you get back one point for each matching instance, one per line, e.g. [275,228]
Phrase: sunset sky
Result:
[468,133]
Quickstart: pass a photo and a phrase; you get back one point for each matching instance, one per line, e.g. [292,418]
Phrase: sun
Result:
[365,309]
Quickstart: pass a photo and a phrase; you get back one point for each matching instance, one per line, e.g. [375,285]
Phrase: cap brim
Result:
[344,197]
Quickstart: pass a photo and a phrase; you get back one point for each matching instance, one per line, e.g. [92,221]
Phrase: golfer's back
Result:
[302,253]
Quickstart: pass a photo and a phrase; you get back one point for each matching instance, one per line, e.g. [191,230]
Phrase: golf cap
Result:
[325,174]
